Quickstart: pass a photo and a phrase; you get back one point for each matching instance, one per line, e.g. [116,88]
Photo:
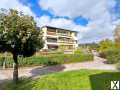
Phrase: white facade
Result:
[56,38]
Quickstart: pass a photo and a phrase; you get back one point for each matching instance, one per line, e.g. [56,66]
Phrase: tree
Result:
[18,35]
[106,44]
[117,42]
[116,34]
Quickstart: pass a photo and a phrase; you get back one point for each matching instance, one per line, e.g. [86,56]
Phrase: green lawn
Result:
[72,80]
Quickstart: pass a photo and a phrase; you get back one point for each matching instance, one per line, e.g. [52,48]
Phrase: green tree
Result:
[18,35]
[116,34]
[117,42]
[106,44]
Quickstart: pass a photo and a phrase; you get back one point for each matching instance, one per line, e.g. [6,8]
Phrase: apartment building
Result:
[59,39]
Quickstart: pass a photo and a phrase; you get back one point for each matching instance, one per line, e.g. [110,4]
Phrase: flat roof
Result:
[59,28]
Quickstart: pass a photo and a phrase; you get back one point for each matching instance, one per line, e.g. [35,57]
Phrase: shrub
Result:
[112,55]
[69,58]
[102,54]
[78,51]
[49,59]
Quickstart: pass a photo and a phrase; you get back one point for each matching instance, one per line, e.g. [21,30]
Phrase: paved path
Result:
[98,63]
[2,77]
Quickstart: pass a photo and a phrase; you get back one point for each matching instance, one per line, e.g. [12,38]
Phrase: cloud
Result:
[61,23]
[15,4]
[88,8]
[101,22]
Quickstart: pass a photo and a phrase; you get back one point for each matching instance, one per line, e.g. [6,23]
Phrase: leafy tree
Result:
[106,44]
[89,45]
[18,35]
[116,34]
[117,42]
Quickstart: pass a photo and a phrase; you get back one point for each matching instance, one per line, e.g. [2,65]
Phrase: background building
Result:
[57,38]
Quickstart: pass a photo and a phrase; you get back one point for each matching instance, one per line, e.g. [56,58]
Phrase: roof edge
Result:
[58,28]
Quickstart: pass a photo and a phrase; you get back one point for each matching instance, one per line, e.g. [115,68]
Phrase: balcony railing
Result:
[52,40]
[51,33]
[70,42]
[59,34]
[64,34]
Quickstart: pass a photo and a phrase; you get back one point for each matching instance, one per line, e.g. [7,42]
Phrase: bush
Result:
[70,58]
[112,55]
[78,51]
[48,60]
[102,54]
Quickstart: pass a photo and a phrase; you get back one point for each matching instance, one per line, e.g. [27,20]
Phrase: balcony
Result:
[67,42]
[51,33]
[64,34]
[52,40]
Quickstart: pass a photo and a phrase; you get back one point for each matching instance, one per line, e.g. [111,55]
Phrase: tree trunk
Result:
[15,66]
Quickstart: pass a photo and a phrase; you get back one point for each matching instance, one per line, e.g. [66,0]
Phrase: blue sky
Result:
[36,8]
[93,19]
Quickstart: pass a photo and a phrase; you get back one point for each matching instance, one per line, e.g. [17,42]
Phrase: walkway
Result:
[98,63]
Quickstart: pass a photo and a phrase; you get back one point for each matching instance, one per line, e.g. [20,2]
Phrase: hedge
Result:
[47,60]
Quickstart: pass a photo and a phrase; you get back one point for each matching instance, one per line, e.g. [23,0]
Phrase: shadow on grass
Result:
[99,81]
[102,81]
[10,85]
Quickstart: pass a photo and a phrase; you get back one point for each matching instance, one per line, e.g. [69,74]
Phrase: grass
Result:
[71,80]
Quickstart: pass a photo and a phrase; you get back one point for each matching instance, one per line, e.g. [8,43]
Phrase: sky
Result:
[93,19]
